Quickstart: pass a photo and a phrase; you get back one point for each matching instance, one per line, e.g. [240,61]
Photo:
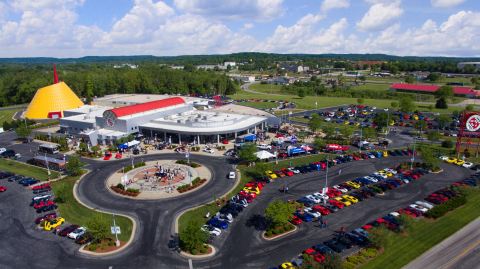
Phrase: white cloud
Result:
[247,26]
[233,9]
[332,4]
[446,3]
[380,15]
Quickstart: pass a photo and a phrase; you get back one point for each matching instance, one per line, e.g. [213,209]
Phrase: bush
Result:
[442,209]
[120,186]
[348,265]
[447,144]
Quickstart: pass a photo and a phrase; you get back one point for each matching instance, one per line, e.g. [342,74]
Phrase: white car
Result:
[209,150]
[2,150]
[310,211]
[380,174]
[313,199]
[443,158]
[77,233]
[338,188]
[371,179]
[390,170]
[328,119]
[424,204]
[419,208]
[295,171]
[211,230]
[228,218]
[394,214]
[231,175]
[467,164]
[264,146]
[321,195]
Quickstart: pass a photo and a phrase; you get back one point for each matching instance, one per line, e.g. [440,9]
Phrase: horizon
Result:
[82,28]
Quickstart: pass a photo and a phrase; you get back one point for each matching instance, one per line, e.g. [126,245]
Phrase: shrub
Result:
[447,144]
[268,233]
[442,209]
[120,186]
[348,265]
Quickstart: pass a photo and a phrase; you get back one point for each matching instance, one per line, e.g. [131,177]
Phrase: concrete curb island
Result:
[200,256]
[278,236]
[132,236]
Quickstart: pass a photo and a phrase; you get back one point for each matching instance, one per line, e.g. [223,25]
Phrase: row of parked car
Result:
[352,191]
[456,161]
[234,206]
[360,236]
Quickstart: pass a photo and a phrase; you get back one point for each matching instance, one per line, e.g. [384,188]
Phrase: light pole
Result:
[413,155]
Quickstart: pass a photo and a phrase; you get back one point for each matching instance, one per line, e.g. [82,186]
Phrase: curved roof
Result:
[54,98]
[139,108]
[433,88]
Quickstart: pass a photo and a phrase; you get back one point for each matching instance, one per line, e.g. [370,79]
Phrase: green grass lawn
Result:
[199,213]
[424,234]
[74,212]
[259,105]
[26,170]
[266,88]
[372,86]
[6,115]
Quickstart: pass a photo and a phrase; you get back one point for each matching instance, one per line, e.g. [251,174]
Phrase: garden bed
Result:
[188,187]
[279,231]
[127,192]
[191,164]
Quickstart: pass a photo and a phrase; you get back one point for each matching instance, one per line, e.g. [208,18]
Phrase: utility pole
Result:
[413,155]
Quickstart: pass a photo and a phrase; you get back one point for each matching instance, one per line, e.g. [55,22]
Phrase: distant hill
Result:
[218,58]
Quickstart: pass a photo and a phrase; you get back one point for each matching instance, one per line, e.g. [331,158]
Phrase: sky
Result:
[76,28]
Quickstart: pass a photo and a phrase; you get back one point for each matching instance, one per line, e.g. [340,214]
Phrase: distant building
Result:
[131,66]
[232,64]
[426,88]
[462,65]
[244,79]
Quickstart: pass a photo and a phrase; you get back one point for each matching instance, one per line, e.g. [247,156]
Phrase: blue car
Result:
[305,217]
[218,223]
[323,249]
[28,181]
[361,231]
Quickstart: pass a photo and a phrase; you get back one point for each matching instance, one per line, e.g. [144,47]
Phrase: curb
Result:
[134,226]
[279,235]
[193,208]
[201,256]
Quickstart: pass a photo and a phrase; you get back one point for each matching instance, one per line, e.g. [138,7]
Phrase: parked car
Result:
[65,231]
[77,233]
[45,217]
[3,188]
[211,230]
[215,222]
[50,224]
[84,239]
[231,175]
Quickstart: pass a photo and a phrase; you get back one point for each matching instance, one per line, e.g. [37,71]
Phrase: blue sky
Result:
[73,28]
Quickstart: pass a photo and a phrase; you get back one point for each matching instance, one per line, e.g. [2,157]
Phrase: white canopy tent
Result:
[262,155]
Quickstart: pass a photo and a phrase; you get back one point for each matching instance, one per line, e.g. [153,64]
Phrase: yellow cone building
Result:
[51,101]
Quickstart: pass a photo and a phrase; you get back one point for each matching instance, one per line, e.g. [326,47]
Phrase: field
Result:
[6,115]
[26,170]
[260,105]
[266,88]
[76,213]
[424,234]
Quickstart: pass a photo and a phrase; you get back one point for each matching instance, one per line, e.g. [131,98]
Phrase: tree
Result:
[410,79]
[301,93]
[319,143]
[445,92]
[421,125]
[279,212]
[329,130]
[360,101]
[89,90]
[74,166]
[369,133]
[315,122]
[378,236]
[192,237]
[433,136]
[23,131]
[346,132]
[444,120]
[441,103]
[434,77]
[381,120]
[362,79]
[429,158]
[394,104]
[469,107]
[247,152]
[406,105]
[99,227]
[83,147]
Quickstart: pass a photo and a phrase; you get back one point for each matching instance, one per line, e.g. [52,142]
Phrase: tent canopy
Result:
[262,155]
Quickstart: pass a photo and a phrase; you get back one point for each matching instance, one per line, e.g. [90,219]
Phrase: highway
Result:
[459,251]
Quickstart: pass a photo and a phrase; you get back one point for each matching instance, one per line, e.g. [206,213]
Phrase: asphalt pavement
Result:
[240,246]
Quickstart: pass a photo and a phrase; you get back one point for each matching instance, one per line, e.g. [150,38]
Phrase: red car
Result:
[408,213]
[367,227]
[41,186]
[118,155]
[323,210]
[296,220]
[279,173]
[252,184]
[107,156]
[3,188]
[224,141]
[282,155]
[333,192]
[336,203]
[46,217]
[245,194]
[287,172]
[278,135]
[43,204]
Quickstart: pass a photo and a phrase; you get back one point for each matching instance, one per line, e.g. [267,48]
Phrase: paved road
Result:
[240,247]
[460,250]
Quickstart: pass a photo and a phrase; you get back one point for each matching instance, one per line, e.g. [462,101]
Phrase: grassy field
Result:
[372,86]
[26,170]
[6,115]
[266,88]
[199,213]
[74,212]
[259,105]
[424,234]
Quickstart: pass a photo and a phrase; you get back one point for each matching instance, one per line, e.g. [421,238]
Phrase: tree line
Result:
[18,83]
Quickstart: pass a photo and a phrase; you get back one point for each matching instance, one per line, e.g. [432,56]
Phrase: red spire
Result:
[55,75]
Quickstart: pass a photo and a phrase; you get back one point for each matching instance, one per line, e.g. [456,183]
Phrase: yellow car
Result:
[415,117]
[357,124]
[48,225]
[287,265]
[350,198]
[270,174]
[383,172]
[385,153]
[353,184]
[392,122]
[451,160]
[344,201]
[252,190]
[460,162]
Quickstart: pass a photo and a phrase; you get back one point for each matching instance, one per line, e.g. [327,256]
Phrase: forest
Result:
[19,82]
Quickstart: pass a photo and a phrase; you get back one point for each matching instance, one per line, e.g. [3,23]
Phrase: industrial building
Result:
[173,119]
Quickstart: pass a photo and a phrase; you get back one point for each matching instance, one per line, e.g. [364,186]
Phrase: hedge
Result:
[442,209]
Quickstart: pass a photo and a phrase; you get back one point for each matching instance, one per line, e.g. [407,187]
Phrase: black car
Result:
[332,208]
[5,175]
[65,231]
[321,248]
[335,245]
[8,153]
[84,239]
[46,208]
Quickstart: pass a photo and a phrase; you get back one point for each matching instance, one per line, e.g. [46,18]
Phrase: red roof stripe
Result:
[143,107]
[433,88]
